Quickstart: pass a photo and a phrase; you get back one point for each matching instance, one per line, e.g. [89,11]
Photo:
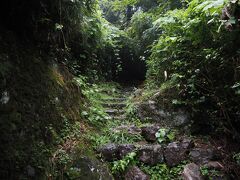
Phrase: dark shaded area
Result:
[26,18]
[40,95]
[133,72]
[133,69]
[42,98]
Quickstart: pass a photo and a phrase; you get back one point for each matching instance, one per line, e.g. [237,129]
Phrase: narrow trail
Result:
[148,150]
[115,106]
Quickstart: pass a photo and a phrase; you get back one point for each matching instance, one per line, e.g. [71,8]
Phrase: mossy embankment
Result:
[40,104]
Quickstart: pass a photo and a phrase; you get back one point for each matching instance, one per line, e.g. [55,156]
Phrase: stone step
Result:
[131,129]
[114,105]
[111,152]
[120,117]
[114,111]
[151,154]
[116,99]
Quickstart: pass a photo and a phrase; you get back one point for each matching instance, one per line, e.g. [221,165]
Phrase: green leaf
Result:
[58,26]
[236,85]
[171,136]
[83,56]
[84,113]
[232,20]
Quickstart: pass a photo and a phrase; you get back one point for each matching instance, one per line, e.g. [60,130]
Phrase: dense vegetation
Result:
[201,59]
[192,47]
[189,50]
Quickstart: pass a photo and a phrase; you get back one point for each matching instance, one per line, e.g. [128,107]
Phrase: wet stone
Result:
[192,172]
[87,168]
[201,155]
[132,129]
[125,149]
[214,165]
[151,154]
[134,173]
[111,152]
[176,152]
[30,171]
[149,132]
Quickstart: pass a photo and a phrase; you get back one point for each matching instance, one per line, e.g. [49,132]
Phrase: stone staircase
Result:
[149,151]
[115,106]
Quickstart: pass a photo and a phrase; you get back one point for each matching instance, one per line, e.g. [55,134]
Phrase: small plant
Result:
[130,109]
[124,137]
[97,115]
[62,158]
[159,171]
[204,171]
[236,157]
[163,172]
[176,171]
[165,135]
[99,140]
[73,173]
[121,165]
[210,173]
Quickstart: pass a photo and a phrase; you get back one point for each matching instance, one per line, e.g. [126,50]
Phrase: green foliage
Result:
[130,110]
[189,44]
[108,135]
[98,140]
[94,111]
[118,46]
[210,173]
[122,5]
[196,53]
[161,171]
[124,138]
[61,158]
[73,173]
[123,164]
[165,135]
[157,172]
[236,157]
[140,22]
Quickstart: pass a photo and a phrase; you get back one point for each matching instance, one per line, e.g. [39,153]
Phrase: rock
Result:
[86,168]
[149,132]
[220,177]
[180,118]
[192,172]
[30,171]
[109,152]
[176,152]
[120,105]
[114,112]
[134,173]
[153,111]
[132,129]
[5,97]
[201,155]
[214,165]
[125,149]
[187,143]
[137,92]
[151,154]
[148,110]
